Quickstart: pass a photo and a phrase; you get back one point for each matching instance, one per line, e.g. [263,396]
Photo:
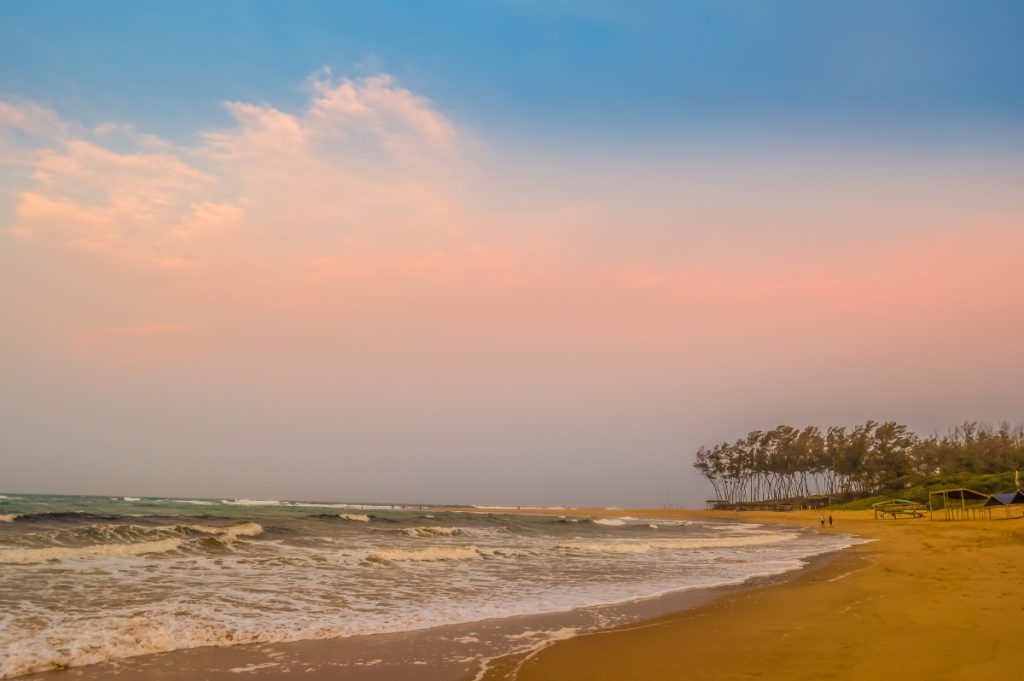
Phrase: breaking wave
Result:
[124,540]
[230,533]
[28,556]
[427,532]
[430,553]
[9,517]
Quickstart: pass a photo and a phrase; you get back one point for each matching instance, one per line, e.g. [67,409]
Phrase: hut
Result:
[1006,500]
[960,504]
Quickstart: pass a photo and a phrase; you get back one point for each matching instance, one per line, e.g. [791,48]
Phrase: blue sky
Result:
[521,68]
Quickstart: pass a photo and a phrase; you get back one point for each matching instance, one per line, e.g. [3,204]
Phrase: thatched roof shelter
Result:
[960,504]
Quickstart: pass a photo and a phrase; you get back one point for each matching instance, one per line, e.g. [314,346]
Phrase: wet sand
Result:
[927,600]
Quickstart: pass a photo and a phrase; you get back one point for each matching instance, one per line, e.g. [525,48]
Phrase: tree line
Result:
[871,458]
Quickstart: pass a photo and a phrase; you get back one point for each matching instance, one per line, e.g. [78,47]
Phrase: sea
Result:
[86,580]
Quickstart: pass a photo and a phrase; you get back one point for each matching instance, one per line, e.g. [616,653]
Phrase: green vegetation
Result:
[864,464]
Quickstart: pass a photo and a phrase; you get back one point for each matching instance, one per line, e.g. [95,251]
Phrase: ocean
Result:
[85,580]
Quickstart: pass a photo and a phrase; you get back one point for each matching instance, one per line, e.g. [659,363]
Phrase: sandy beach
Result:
[928,599]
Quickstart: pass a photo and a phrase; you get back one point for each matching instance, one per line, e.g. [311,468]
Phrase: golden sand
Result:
[928,600]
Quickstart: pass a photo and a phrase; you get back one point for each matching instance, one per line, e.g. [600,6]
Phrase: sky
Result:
[495,252]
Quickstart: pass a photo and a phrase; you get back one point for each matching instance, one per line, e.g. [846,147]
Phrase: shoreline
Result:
[445,653]
[927,599]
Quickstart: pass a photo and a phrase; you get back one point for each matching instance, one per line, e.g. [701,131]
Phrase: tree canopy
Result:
[870,458]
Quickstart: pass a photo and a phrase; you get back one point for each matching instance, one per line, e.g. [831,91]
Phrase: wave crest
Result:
[43,555]
[124,540]
[229,533]
[427,532]
[431,553]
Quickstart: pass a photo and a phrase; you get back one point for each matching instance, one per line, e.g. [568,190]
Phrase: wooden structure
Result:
[960,504]
[897,508]
[1006,500]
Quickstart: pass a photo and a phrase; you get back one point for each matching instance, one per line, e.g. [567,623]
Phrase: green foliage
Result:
[863,464]
[987,483]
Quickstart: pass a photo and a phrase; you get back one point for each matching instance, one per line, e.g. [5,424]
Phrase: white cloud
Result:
[365,165]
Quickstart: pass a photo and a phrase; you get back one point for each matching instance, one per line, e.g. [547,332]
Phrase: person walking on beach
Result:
[830,521]
[822,518]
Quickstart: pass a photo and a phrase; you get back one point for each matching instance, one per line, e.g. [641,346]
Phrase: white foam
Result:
[738,527]
[614,522]
[9,517]
[27,556]
[432,531]
[355,517]
[430,553]
[536,641]
[196,502]
[231,532]
[250,502]
[131,498]
[676,544]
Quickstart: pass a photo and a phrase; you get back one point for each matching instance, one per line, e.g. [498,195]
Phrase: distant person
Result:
[822,519]
[830,521]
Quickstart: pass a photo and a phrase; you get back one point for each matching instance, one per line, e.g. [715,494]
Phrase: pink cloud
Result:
[344,174]
[32,119]
[376,106]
